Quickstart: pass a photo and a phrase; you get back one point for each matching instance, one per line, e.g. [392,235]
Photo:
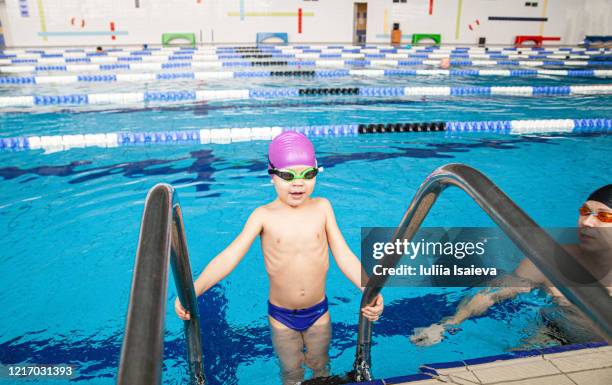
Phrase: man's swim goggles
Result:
[290,175]
[603,216]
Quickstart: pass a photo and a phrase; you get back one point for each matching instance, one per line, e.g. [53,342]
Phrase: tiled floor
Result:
[577,367]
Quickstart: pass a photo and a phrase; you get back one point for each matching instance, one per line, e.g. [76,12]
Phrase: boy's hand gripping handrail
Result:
[162,240]
[531,239]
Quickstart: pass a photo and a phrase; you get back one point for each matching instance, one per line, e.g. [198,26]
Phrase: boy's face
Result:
[297,191]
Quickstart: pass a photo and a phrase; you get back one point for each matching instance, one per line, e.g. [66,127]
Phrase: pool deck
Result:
[588,366]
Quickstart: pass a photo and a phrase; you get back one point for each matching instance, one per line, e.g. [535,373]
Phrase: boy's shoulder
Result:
[322,206]
[322,202]
[261,210]
[265,209]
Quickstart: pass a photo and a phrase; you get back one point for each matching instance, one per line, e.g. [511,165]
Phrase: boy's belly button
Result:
[302,292]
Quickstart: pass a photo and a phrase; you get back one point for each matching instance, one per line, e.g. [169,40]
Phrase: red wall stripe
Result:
[299,20]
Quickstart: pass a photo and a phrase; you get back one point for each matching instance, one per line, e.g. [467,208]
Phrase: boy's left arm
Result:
[347,261]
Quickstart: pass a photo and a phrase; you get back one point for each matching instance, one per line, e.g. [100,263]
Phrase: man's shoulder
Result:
[529,271]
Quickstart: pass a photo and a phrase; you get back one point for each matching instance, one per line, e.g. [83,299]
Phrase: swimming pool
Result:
[70,218]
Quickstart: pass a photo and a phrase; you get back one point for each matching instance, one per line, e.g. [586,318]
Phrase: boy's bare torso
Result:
[295,248]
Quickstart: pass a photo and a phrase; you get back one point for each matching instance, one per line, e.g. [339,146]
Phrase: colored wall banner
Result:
[476,24]
[299,20]
[544,9]
[75,22]
[385,23]
[23,8]
[430,7]
[459,6]
[43,23]
[510,18]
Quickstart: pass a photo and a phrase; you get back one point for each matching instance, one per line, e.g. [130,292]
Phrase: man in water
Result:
[594,252]
[445,63]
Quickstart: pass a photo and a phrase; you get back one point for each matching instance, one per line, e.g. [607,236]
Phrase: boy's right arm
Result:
[223,264]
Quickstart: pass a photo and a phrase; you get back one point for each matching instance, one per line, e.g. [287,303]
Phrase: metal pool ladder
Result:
[162,240]
[530,238]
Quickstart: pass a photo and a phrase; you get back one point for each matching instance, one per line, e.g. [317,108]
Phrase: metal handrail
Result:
[532,240]
[162,240]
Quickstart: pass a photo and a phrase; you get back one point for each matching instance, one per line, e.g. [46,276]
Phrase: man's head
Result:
[595,220]
[445,63]
[293,167]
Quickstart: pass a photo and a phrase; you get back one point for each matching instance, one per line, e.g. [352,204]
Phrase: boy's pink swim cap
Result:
[291,149]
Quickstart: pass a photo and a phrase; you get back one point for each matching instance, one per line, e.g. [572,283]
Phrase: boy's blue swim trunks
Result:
[299,319]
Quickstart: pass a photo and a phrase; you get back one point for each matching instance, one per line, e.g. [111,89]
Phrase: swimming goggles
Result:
[290,175]
[603,216]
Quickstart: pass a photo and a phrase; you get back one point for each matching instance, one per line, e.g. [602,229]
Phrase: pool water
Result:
[70,221]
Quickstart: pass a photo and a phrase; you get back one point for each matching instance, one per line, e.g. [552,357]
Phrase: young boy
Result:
[296,232]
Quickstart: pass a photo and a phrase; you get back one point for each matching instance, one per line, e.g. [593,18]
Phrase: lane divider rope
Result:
[51,143]
[54,52]
[163,76]
[60,60]
[275,93]
[305,63]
